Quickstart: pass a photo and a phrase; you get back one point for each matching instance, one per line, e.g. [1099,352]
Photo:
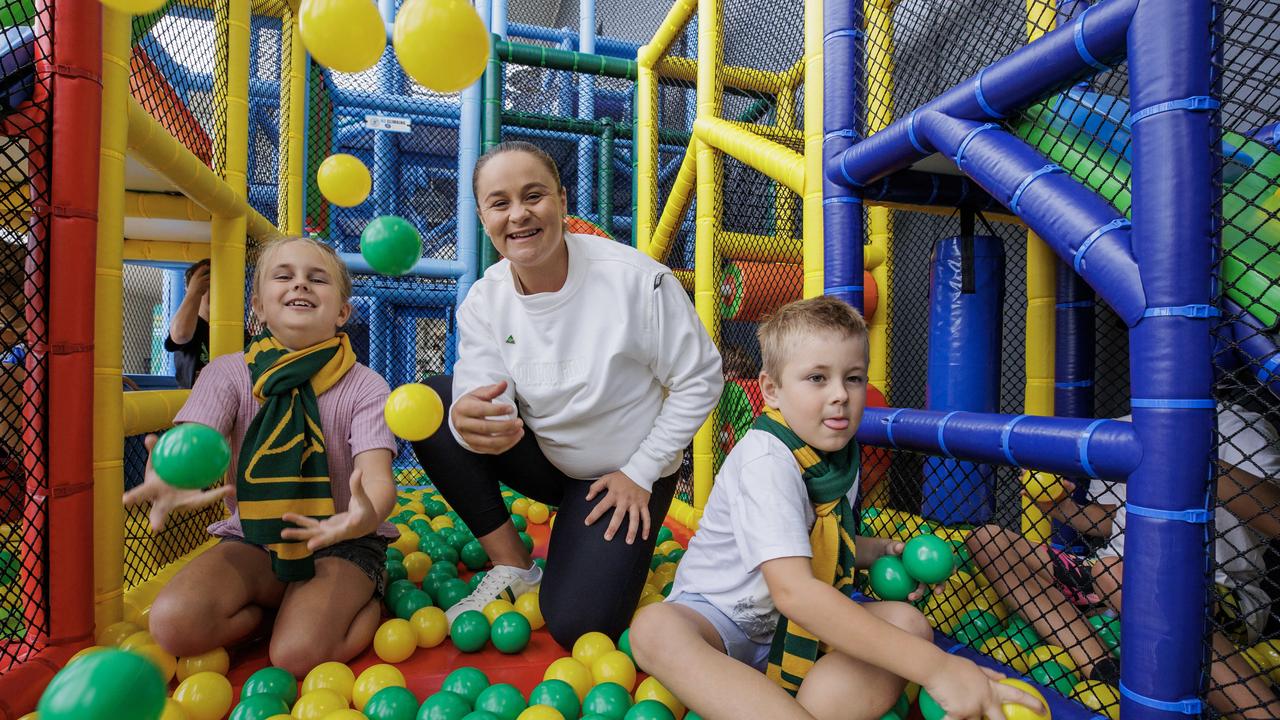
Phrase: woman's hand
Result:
[481,423]
[628,499]
[359,520]
[166,499]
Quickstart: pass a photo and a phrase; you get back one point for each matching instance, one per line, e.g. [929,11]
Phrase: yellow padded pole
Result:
[732,76]
[184,252]
[227,254]
[784,206]
[677,206]
[293,107]
[646,150]
[811,196]
[163,206]
[147,411]
[777,161]
[879,29]
[108,316]
[677,17]
[760,248]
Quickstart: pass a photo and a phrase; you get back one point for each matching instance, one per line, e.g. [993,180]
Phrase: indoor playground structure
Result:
[1060,218]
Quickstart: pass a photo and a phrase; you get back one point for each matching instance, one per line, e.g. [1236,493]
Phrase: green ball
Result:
[446,533]
[19,13]
[474,582]
[460,540]
[1054,674]
[391,245]
[1021,633]
[609,699]
[431,584]
[656,560]
[105,685]
[540,562]
[675,555]
[929,708]
[903,706]
[470,631]
[527,540]
[444,705]
[435,508]
[890,579]
[520,523]
[664,534]
[467,682]
[411,602]
[272,681]
[977,625]
[928,559]
[392,703]
[12,624]
[191,456]
[502,700]
[474,556]
[395,554]
[259,707]
[444,554]
[396,589]
[889,715]
[691,715]
[451,591]
[649,710]
[10,566]
[480,715]
[395,570]
[420,526]
[446,569]
[1108,629]
[624,643]
[556,694]
[510,634]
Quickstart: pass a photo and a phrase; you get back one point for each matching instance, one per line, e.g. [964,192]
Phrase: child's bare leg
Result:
[332,616]
[1021,572]
[683,650]
[825,692]
[1233,695]
[216,600]
[1107,574]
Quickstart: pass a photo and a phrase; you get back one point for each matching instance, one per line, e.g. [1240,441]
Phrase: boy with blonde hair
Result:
[760,622]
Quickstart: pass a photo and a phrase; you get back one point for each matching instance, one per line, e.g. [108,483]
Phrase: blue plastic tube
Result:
[842,225]
[1256,345]
[1166,564]
[1075,337]
[586,109]
[966,298]
[932,189]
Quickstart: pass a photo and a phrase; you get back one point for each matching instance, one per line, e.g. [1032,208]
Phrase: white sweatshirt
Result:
[614,371]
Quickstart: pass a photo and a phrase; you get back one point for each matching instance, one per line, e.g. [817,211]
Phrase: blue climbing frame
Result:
[1165,452]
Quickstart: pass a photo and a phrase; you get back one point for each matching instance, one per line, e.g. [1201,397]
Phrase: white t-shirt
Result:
[1249,443]
[758,510]
[614,371]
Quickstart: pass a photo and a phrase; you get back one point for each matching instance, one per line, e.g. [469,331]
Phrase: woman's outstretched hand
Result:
[629,500]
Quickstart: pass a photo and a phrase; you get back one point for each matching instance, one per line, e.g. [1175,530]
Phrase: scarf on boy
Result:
[282,466]
[828,476]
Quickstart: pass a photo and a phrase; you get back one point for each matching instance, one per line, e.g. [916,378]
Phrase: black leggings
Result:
[589,583]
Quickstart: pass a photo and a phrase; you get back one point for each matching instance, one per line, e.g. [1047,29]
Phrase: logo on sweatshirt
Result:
[511,340]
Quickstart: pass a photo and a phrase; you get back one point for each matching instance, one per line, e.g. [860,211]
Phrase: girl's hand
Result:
[968,692]
[166,499]
[628,499]
[359,520]
[480,421]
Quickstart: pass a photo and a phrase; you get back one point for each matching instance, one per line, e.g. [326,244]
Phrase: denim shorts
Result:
[736,643]
[369,553]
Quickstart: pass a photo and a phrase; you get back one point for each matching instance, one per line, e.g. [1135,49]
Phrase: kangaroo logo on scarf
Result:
[282,466]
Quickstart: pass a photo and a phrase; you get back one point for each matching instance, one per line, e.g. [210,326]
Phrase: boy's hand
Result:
[895,548]
[487,427]
[199,284]
[965,691]
[166,499]
[359,520]
[629,500]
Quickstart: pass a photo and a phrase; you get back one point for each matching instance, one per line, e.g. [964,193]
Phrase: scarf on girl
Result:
[282,466]
[828,476]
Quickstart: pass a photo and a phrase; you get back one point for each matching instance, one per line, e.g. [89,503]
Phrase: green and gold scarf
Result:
[282,466]
[828,476]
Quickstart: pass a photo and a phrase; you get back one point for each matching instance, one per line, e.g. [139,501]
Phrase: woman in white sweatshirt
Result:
[582,375]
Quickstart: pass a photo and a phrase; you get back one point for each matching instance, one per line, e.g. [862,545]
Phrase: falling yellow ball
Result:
[344,180]
[442,44]
[413,412]
[344,35]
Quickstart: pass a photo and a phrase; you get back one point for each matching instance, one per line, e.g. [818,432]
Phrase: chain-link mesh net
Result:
[25,152]
[144,319]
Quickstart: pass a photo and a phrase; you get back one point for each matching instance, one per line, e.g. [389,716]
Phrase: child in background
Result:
[188,338]
[760,608]
[319,561]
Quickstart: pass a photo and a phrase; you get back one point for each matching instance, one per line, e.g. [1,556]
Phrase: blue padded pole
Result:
[426,267]
[919,188]
[1073,364]
[385,163]
[564,85]
[1013,82]
[468,152]
[1167,561]
[1081,227]
[1255,345]
[586,200]
[842,67]
[360,100]
[1070,446]
[380,339]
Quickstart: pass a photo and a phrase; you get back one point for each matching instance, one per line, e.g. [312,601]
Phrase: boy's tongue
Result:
[836,423]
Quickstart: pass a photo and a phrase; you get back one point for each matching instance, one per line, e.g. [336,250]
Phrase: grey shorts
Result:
[736,643]
[369,553]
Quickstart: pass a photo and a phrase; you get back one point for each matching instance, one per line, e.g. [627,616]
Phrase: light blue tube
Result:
[468,154]
[426,267]
[586,200]
[385,159]
[612,47]
[500,18]
[377,102]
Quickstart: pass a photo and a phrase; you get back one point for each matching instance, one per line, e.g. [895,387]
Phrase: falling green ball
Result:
[105,685]
[191,456]
[391,245]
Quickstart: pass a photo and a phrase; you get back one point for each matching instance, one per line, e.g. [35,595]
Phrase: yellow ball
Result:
[333,676]
[173,711]
[538,513]
[572,672]
[214,661]
[590,646]
[373,679]
[86,651]
[413,411]
[665,573]
[344,180]
[115,633]
[204,696]
[520,506]
[395,641]
[1002,649]
[346,714]
[540,712]
[668,547]
[417,564]
[614,666]
[318,704]
[649,599]
[407,542]
[164,662]
[496,608]
[651,689]
[1043,486]
[442,44]
[1014,711]
[1047,652]
[430,626]
[138,616]
[134,7]
[33,715]
[1098,697]
[527,605]
[444,521]
[345,35]
[137,640]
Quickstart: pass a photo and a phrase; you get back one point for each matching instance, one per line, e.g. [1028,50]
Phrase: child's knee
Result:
[982,539]
[298,655]
[648,632]
[177,626]
[907,618]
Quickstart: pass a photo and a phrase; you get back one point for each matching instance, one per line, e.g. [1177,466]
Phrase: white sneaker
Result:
[503,581]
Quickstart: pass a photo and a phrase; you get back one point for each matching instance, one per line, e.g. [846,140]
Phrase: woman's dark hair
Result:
[514,146]
[193,268]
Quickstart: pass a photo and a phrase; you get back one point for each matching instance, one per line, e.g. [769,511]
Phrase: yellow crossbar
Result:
[184,252]
[677,17]
[147,411]
[732,76]
[677,206]
[778,162]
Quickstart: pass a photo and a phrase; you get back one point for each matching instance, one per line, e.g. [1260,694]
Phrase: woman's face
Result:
[522,208]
